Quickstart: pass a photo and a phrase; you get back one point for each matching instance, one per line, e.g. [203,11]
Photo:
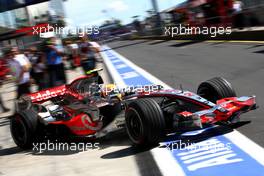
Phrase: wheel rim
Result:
[135,126]
[19,130]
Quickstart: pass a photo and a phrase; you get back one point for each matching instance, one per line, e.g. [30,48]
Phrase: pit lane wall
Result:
[214,151]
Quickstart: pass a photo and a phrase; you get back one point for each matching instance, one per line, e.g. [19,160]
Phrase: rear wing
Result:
[47,94]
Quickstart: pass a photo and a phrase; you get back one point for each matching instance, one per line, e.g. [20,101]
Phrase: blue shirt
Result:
[53,58]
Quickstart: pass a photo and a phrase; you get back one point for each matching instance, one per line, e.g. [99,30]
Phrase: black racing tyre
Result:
[23,127]
[215,89]
[145,123]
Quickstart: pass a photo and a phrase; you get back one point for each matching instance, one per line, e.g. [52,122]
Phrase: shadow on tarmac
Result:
[132,150]
[259,52]
[120,138]
[158,42]
[181,44]
[255,46]
[210,132]
[10,151]
[218,43]
[67,146]
[206,134]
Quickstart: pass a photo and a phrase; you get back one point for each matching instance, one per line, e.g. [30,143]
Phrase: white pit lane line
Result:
[131,64]
[115,75]
[166,162]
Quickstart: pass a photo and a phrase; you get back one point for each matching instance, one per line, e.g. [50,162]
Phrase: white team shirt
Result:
[17,64]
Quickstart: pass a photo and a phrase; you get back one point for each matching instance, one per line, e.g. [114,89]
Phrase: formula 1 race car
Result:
[85,108]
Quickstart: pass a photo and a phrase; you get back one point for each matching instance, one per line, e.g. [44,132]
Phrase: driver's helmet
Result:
[110,90]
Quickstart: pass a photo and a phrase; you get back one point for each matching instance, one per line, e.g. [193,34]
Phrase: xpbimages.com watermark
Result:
[174,31]
[80,31]
[147,89]
[212,146]
[63,146]
[113,88]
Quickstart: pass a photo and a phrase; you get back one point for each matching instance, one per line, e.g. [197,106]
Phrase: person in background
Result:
[38,67]
[75,54]
[55,64]
[39,70]
[238,14]
[32,57]
[68,54]
[73,57]
[3,72]
[20,67]
[88,55]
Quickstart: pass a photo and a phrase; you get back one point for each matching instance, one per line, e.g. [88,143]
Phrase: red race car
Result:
[85,108]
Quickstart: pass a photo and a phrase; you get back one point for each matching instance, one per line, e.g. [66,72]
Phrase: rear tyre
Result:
[215,89]
[23,127]
[145,123]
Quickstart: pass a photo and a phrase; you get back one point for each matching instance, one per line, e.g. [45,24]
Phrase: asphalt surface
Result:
[189,63]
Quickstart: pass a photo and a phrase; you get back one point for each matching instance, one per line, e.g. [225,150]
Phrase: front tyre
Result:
[216,89]
[145,123]
[23,127]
